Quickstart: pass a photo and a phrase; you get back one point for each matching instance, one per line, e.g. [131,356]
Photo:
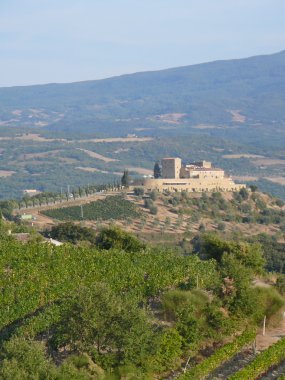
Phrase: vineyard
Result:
[112,207]
[85,312]
[263,362]
[222,355]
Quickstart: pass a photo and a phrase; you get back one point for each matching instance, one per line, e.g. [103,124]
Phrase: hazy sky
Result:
[44,41]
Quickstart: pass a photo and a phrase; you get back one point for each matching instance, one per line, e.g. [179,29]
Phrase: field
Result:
[176,217]
[112,207]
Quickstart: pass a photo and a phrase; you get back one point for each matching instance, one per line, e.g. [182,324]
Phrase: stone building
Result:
[193,177]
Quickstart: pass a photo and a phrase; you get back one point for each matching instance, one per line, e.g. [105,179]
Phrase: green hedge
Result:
[262,363]
[220,356]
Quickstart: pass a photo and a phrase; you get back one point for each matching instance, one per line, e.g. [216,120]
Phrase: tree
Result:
[157,170]
[249,255]
[153,210]
[125,180]
[115,237]
[169,349]
[72,233]
[244,193]
[253,188]
[153,195]
[96,320]
[138,191]
[23,359]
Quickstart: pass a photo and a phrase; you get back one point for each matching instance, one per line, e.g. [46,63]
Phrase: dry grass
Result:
[245,178]
[164,211]
[242,155]
[121,150]
[91,170]
[268,162]
[237,116]
[97,155]
[50,153]
[279,180]
[142,171]
[118,139]
[205,126]
[68,160]
[36,137]
[6,173]
[169,118]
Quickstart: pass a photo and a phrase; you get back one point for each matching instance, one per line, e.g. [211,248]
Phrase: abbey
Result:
[193,177]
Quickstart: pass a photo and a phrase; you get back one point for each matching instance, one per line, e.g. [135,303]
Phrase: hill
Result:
[250,90]
[106,305]
[229,112]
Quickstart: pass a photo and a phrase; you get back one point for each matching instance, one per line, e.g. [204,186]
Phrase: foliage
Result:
[274,252]
[262,363]
[249,255]
[22,359]
[280,284]
[157,170]
[72,233]
[95,320]
[200,371]
[153,195]
[112,207]
[153,210]
[138,191]
[169,350]
[125,180]
[114,237]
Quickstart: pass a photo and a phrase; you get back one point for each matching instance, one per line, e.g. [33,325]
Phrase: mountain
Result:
[250,90]
[229,112]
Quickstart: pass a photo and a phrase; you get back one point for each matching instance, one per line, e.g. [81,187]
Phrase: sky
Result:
[49,41]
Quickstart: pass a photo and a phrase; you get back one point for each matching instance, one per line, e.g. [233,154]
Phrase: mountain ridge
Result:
[142,72]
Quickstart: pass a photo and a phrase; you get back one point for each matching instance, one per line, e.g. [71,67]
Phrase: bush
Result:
[148,203]
[269,302]
[114,237]
[153,210]
[139,191]
[280,284]
[244,193]
[279,203]
[169,351]
[202,227]
[153,195]
[72,233]
[221,226]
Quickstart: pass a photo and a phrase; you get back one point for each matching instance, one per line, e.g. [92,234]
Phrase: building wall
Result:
[200,173]
[170,167]
[203,164]
[196,177]
[191,184]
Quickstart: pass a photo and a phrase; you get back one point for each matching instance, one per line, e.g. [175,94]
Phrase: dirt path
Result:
[272,334]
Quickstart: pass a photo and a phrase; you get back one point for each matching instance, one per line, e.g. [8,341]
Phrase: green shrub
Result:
[138,191]
[153,210]
[153,195]
[115,237]
[221,226]
[169,350]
